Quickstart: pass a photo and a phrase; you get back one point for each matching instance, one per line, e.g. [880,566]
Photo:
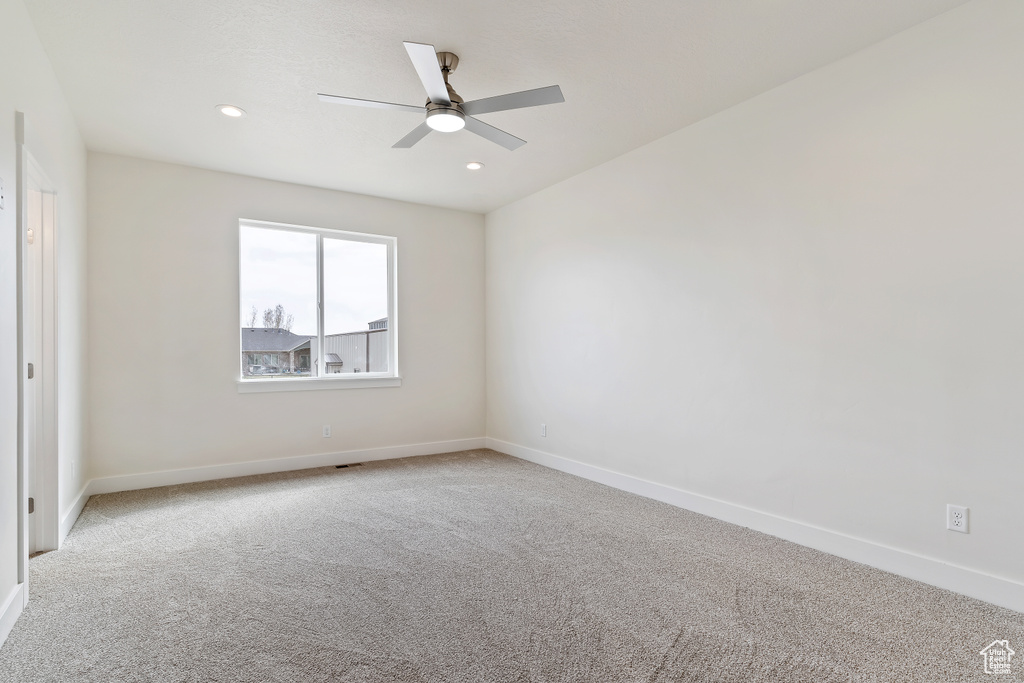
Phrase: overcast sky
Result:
[279,267]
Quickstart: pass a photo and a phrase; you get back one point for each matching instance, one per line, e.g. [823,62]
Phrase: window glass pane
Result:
[356,330]
[278,296]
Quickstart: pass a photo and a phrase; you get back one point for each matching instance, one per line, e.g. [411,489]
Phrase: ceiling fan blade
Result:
[485,130]
[516,100]
[417,134]
[338,99]
[424,59]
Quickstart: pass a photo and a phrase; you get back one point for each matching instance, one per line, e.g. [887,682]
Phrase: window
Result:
[315,304]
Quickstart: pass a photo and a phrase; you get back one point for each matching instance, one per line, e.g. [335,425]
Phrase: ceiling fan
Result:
[446,111]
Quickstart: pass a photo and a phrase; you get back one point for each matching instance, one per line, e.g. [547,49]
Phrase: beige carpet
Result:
[468,567]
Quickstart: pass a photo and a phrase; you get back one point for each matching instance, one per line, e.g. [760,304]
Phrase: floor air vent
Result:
[355,464]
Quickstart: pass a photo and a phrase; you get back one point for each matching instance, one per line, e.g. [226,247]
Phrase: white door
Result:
[39,344]
[31,319]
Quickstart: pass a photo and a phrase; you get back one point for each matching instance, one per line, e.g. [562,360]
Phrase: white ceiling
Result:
[142,78]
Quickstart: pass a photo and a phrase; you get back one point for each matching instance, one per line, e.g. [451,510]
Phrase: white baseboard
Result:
[10,610]
[996,590]
[69,518]
[131,482]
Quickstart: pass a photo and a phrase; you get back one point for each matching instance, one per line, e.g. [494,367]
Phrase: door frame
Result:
[39,477]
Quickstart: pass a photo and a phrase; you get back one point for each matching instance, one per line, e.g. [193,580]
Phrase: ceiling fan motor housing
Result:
[447,118]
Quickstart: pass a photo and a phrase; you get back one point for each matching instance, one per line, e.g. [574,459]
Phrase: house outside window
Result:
[315,303]
[274,351]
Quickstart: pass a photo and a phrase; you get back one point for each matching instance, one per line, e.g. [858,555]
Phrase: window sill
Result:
[252,386]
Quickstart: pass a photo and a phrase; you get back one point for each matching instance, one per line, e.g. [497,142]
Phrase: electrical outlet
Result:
[1,194]
[957,518]
[327,431]
[543,430]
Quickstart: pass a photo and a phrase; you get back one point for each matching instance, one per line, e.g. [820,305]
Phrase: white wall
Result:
[164,323]
[27,84]
[811,304]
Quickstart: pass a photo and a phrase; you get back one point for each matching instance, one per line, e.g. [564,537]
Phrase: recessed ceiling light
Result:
[231,110]
[474,166]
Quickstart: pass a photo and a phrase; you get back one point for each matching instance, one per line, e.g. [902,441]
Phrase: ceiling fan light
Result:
[446,120]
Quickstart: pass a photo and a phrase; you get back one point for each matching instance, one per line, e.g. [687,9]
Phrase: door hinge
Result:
[31,371]
[31,505]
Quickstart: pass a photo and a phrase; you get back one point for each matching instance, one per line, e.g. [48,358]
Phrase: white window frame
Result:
[360,380]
